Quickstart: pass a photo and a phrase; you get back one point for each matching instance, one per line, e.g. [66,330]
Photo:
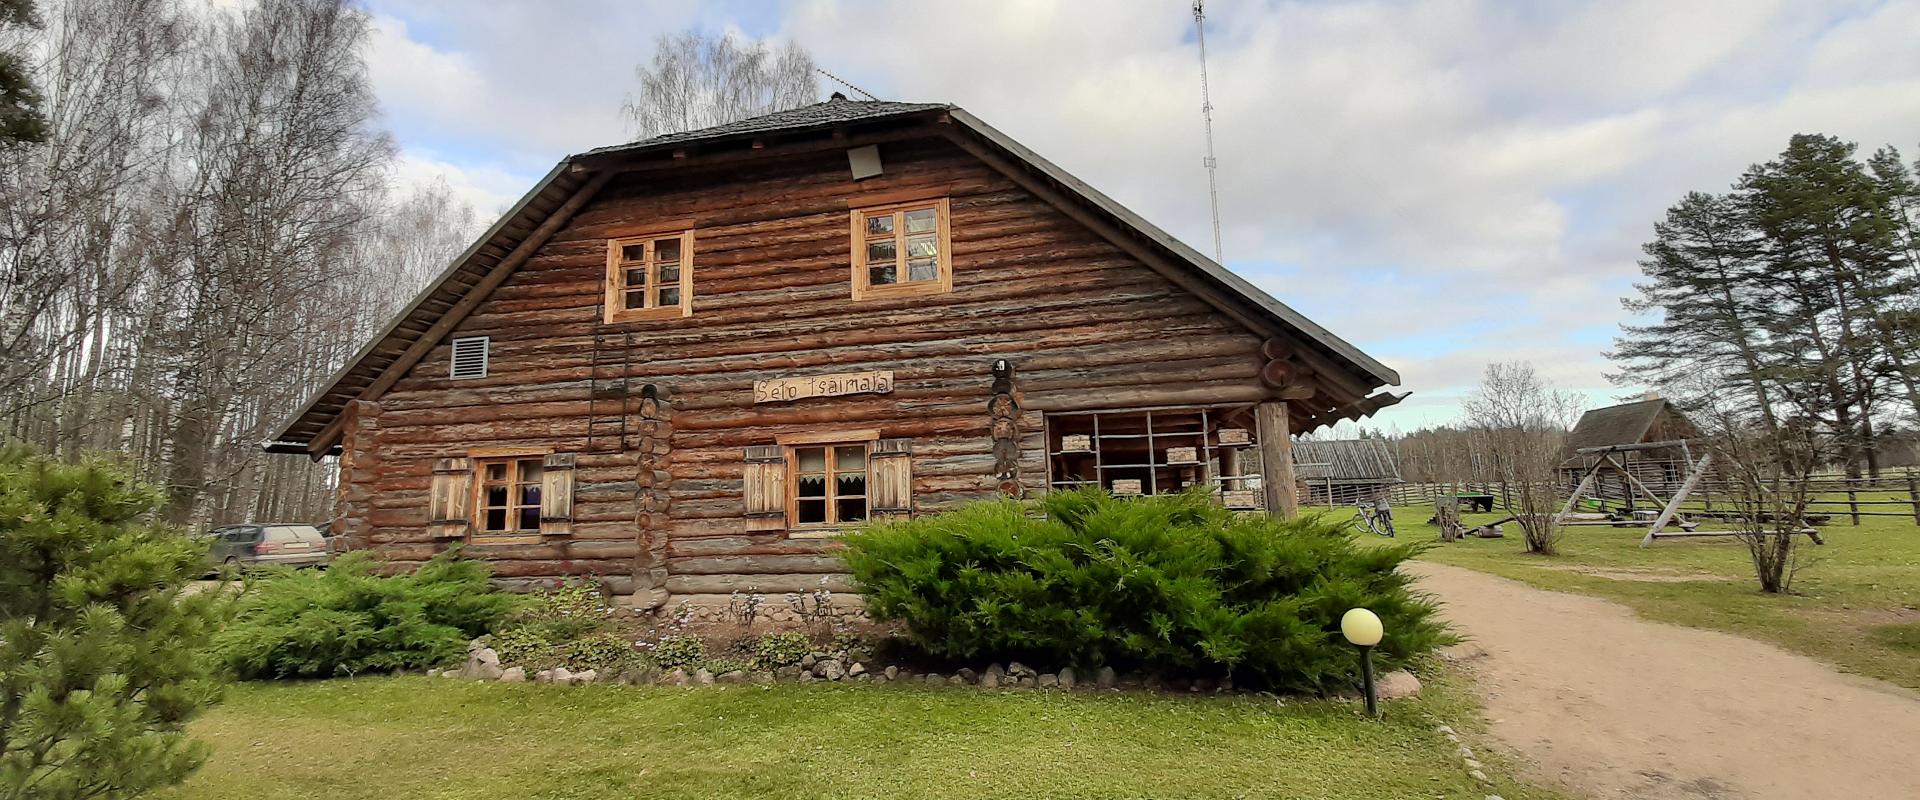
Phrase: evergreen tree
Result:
[103,657]
[20,118]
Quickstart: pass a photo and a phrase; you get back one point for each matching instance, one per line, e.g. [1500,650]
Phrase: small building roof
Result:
[1627,423]
[1345,461]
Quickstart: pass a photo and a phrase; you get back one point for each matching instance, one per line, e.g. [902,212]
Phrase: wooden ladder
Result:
[607,392]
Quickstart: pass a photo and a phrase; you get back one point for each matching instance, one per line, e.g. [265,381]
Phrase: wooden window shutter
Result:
[765,489]
[449,509]
[556,495]
[890,479]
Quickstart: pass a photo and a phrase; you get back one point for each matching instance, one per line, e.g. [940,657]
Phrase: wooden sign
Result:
[1183,455]
[1126,487]
[1076,443]
[1234,436]
[781,390]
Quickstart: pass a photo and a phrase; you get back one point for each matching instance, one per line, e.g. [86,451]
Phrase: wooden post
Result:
[1276,459]
[1913,495]
[1853,505]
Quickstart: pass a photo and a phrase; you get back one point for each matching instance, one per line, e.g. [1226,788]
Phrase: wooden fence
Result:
[1891,494]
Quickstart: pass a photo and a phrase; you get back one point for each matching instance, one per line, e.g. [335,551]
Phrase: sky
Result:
[1444,184]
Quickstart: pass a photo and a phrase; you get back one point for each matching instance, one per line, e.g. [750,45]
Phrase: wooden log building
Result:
[682,365]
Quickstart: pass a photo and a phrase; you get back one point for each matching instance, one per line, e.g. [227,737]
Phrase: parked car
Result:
[259,544]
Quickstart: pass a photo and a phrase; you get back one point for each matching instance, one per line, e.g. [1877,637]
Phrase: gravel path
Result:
[1612,707]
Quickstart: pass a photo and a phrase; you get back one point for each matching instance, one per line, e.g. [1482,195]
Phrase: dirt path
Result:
[1613,707]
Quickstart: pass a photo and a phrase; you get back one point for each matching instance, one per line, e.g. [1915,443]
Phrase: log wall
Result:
[1084,324]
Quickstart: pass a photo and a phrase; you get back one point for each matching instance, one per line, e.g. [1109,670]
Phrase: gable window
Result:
[902,249]
[649,277]
[510,495]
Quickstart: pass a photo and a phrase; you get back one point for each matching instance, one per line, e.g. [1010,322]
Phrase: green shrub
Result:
[548,627]
[346,620]
[1173,584]
[679,650]
[103,655]
[606,652]
[782,649]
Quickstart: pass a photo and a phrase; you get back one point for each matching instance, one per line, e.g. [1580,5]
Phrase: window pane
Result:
[852,509]
[496,495]
[851,483]
[530,495]
[496,519]
[811,459]
[636,277]
[531,468]
[922,220]
[880,225]
[881,276]
[530,519]
[811,511]
[497,472]
[881,251]
[667,250]
[850,456]
[923,269]
[810,486]
[670,297]
[919,246]
[637,299]
[633,252]
[670,273]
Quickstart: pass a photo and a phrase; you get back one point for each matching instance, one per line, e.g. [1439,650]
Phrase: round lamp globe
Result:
[1361,627]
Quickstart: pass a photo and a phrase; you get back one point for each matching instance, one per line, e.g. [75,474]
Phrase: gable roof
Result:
[1345,460]
[1627,423]
[571,184]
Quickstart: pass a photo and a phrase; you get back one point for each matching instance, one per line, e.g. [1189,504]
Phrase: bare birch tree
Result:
[699,80]
[1521,422]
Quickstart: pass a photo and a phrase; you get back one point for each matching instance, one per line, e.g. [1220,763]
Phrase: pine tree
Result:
[20,118]
[103,657]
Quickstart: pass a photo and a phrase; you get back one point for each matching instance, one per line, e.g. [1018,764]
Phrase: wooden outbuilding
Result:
[683,365]
[1342,472]
[1644,439]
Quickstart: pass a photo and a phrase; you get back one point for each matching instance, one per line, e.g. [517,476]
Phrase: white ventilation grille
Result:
[470,357]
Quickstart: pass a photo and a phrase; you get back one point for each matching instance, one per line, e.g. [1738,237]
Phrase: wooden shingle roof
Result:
[1345,460]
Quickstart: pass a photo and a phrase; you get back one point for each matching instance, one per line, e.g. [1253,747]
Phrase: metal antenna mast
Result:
[1206,112]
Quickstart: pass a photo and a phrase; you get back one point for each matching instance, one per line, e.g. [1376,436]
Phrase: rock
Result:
[1396,684]
[1019,670]
[1479,776]
[1047,681]
[834,671]
[1444,728]
[890,672]
[1066,679]
[856,669]
[452,673]
[476,645]
[1462,652]
[678,677]
[1473,763]
[482,671]
[807,661]
[968,675]
[990,680]
[863,677]
[935,677]
[787,673]
[562,675]
[1105,678]
[957,680]
[703,677]
[732,676]
[1026,680]
[586,676]
[761,676]
[543,676]
[806,676]
[513,675]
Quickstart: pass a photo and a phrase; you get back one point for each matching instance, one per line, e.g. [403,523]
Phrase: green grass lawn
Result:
[415,737]
[1856,604]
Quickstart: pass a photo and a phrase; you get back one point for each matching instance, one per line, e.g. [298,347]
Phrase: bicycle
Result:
[1371,521]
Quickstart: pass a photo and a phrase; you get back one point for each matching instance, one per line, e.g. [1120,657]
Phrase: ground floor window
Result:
[510,494]
[829,484]
[1158,450]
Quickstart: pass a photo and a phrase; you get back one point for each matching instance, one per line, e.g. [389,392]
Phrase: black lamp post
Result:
[1363,629]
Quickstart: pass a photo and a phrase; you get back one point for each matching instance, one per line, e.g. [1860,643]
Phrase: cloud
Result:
[1443,183]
